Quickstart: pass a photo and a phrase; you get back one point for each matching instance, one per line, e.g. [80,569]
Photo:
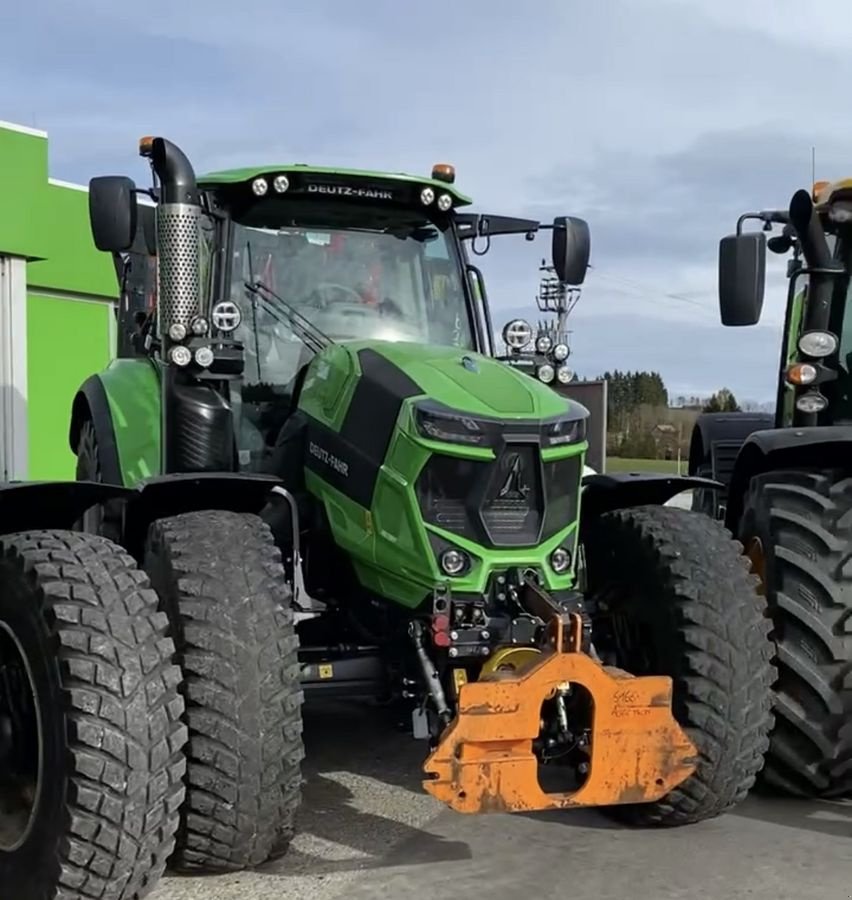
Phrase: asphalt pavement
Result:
[369,832]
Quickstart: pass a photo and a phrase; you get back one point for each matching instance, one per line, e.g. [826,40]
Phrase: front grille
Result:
[513,505]
[512,501]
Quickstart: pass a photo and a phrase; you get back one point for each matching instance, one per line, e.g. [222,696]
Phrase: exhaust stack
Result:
[178,229]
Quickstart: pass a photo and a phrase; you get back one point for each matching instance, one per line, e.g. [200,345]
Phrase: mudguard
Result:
[37,505]
[818,447]
[726,429]
[91,401]
[604,493]
[26,506]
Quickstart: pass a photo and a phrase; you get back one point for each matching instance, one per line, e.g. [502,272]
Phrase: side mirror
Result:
[742,272]
[572,247]
[112,212]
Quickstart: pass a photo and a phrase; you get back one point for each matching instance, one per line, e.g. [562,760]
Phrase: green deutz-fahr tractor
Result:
[331,488]
[787,480]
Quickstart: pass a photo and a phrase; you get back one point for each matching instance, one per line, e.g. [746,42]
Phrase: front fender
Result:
[27,506]
[171,495]
[818,447]
[39,505]
[620,490]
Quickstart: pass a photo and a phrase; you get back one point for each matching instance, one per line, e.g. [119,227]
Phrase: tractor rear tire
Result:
[221,582]
[94,814]
[802,523]
[678,584]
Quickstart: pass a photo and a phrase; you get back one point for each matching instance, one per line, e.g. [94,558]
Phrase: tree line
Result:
[641,422]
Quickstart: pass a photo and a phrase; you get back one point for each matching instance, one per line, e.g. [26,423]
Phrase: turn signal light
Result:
[801,373]
[146,145]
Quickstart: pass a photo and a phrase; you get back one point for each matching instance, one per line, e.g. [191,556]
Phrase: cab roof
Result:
[232,177]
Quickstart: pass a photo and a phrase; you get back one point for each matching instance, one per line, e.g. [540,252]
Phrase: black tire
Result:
[681,583]
[221,581]
[803,520]
[83,618]
[105,518]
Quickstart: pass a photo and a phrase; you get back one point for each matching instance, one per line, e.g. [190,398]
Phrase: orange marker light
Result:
[819,187]
[801,373]
[146,144]
[444,172]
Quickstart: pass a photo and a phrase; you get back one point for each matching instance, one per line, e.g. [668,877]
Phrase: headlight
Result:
[180,355]
[545,373]
[565,374]
[199,326]
[560,560]
[204,356]
[226,316]
[818,343]
[543,343]
[436,423]
[560,352]
[517,333]
[281,183]
[454,562]
[812,402]
[177,331]
[259,187]
[427,195]
[564,431]
[452,427]
[445,201]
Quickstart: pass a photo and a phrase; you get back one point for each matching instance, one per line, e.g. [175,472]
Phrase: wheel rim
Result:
[21,744]
[754,551]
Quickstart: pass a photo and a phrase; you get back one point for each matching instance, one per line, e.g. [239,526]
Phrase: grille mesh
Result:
[179,275]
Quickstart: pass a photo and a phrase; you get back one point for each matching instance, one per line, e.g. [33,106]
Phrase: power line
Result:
[652,291]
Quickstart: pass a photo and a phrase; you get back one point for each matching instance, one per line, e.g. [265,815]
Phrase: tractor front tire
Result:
[221,582]
[671,594]
[91,731]
[104,518]
[797,527]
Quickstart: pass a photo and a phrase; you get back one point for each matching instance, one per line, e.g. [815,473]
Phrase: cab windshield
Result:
[400,283]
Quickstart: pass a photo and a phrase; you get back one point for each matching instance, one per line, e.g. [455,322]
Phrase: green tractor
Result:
[787,480]
[331,488]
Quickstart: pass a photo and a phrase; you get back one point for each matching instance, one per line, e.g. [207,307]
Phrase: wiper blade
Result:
[313,338]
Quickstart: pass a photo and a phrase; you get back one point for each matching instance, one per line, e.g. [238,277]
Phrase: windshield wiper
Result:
[311,336]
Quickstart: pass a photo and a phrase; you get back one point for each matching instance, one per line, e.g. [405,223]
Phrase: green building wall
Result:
[70,297]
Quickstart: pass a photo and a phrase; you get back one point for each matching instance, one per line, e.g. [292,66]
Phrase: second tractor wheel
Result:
[671,595]
[797,529]
[222,584]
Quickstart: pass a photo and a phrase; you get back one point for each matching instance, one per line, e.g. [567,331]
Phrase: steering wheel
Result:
[329,286]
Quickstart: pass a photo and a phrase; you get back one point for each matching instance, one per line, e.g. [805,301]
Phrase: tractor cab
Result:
[815,384]
[291,259]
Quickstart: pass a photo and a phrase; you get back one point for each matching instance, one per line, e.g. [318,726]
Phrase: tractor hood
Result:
[470,382]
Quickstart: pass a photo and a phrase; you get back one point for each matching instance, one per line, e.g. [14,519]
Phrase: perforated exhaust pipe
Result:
[178,228]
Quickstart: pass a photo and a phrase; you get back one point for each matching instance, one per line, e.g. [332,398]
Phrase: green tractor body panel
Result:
[132,389]
[369,464]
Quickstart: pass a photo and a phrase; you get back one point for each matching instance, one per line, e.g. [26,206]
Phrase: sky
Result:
[658,121]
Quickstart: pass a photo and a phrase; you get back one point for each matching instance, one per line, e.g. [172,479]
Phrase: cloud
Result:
[658,120]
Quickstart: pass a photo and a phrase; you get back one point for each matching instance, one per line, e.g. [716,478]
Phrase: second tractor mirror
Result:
[571,249]
[742,273]
[112,212]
